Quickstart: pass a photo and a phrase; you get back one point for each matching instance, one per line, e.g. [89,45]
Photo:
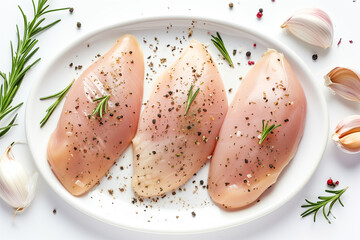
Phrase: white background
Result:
[39,222]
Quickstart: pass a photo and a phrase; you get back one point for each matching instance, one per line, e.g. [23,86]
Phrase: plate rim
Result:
[274,41]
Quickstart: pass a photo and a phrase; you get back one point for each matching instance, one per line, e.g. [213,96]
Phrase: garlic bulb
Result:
[345,82]
[311,25]
[17,189]
[347,134]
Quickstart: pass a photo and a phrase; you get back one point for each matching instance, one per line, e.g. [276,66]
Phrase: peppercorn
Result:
[261,10]
[78,24]
[330,182]
[259,15]
[314,57]
[248,53]
[71,10]
[231,5]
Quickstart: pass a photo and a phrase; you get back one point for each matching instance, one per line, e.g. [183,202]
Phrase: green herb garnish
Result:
[191,98]
[315,207]
[60,95]
[266,130]
[19,58]
[219,44]
[102,106]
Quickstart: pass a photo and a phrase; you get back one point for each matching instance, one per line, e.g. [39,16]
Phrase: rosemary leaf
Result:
[60,95]
[191,98]
[266,130]
[102,106]
[219,44]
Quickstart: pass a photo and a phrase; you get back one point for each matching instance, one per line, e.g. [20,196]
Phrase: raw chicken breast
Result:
[242,169]
[170,147]
[84,147]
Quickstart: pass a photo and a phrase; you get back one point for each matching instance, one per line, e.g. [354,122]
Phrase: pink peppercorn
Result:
[330,182]
[259,15]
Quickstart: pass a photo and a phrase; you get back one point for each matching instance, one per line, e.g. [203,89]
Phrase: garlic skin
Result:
[311,25]
[345,82]
[347,134]
[17,189]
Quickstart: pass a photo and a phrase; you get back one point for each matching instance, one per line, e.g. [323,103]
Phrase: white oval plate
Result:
[173,214]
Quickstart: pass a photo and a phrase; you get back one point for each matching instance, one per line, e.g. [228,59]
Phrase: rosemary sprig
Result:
[102,106]
[191,98]
[314,207]
[266,130]
[219,44]
[60,95]
[20,57]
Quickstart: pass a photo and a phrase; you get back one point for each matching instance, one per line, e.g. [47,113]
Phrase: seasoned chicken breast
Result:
[241,168]
[83,146]
[169,146]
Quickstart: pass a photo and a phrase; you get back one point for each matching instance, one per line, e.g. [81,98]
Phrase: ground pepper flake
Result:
[339,42]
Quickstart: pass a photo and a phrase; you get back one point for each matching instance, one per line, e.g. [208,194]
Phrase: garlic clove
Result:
[311,25]
[17,189]
[31,188]
[347,134]
[344,82]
